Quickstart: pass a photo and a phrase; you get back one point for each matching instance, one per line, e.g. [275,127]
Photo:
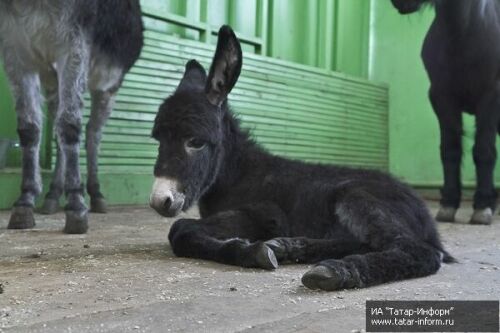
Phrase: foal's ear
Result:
[225,68]
[194,76]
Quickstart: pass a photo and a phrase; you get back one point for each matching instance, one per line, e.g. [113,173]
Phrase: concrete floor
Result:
[123,277]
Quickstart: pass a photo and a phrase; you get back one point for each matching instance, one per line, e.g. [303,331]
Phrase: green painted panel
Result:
[414,132]
[122,186]
[352,25]
[8,118]
[329,34]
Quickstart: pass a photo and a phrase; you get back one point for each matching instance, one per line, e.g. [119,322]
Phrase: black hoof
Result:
[98,205]
[482,216]
[265,257]
[446,214]
[21,218]
[76,222]
[50,206]
[321,277]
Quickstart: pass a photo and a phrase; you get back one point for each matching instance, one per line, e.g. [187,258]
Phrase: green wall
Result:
[395,43]
[329,34]
[7,117]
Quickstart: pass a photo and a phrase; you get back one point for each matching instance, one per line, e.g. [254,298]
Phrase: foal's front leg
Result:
[231,237]
[72,75]
[485,154]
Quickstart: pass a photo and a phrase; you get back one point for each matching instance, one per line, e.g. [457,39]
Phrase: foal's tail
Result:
[434,240]
[448,258]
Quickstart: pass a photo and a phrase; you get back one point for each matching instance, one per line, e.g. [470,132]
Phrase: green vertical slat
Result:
[326,20]
[205,34]
[352,30]
[8,123]
[262,19]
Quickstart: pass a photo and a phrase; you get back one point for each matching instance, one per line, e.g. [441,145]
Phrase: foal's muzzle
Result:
[165,198]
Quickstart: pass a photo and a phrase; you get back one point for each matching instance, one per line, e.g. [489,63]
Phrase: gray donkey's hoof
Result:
[50,206]
[482,216]
[76,222]
[98,205]
[21,218]
[446,214]
[265,257]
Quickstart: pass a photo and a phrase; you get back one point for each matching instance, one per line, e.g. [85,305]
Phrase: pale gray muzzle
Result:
[165,198]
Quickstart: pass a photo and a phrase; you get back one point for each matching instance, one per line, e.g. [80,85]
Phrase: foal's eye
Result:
[195,144]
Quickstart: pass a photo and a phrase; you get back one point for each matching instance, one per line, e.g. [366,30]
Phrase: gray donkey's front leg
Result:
[72,74]
[26,90]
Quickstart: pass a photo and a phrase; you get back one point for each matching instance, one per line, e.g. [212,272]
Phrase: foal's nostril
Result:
[167,203]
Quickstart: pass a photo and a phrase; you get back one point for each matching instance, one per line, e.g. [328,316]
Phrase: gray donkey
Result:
[65,46]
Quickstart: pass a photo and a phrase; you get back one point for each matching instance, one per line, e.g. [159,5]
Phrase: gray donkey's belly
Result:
[40,31]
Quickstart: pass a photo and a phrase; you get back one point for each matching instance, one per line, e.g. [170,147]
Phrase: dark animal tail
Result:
[435,241]
[448,258]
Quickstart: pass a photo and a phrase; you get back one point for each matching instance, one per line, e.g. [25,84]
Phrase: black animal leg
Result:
[195,239]
[450,123]
[232,237]
[484,153]
[403,260]
[307,250]
[396,253]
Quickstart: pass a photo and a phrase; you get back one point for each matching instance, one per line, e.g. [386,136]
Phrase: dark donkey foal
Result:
[362,227]
[461,54]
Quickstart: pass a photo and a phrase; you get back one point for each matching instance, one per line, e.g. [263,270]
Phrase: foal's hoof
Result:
[446,214]
[265,257]
[98,205]
[322,277]
[332,275]
[50,206]
[76,222]
[482,216]
[21,218]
